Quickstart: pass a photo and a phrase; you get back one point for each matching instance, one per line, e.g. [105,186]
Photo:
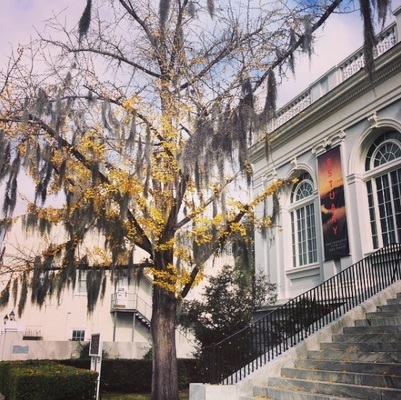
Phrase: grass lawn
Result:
[184,395]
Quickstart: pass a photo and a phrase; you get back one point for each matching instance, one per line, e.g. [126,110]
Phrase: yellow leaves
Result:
[92,146]
[171,279]
[248,167]
[130,103]
[51,214]
[218,220]
[98,256]
[163,168]
[125,183]
[166,246]
[183,253]
[270,190]
[52,251]
[76,172]
[238,228]
[202,230]
[264,222]
[198,60]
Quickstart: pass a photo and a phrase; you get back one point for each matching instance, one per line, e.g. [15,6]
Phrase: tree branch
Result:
[298,43]
[130,9]
[105,53]
[142,241]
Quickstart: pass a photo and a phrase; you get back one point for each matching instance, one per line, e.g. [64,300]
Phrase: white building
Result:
[342,138]
[56,329]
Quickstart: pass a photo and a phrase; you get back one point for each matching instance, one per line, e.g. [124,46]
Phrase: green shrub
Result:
[4,375]
[83,363]
[135,376]
[44,380]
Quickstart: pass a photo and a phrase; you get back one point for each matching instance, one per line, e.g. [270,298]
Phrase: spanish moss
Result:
[369,41]
[84,22]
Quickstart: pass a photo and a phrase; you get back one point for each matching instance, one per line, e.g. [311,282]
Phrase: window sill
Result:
[303,272]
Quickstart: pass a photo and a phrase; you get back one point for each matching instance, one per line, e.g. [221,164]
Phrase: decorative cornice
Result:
[269,175]
[373,120]
[330,141]
[352,178]
[337,98]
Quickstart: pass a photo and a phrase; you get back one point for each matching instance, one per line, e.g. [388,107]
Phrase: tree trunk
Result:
[165,374]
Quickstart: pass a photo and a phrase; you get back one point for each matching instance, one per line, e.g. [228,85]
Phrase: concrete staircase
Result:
[363,362]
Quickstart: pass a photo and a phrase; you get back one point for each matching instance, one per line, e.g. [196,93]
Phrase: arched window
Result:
[303,222]
[384,188]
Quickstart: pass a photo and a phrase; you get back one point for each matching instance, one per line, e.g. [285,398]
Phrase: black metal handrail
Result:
[235,357]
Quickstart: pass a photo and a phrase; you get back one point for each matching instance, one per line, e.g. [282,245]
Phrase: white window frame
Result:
[73,331]
[80,287]
[304,252]
[383,223]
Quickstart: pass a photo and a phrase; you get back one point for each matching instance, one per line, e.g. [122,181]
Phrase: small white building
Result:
[341,138]
[57,328]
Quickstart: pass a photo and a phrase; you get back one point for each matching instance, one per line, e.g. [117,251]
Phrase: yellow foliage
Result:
[172,279]
[130,103]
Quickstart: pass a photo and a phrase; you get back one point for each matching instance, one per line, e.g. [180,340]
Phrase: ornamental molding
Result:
[269,176]
[354,178]
[328,142]
[373,120]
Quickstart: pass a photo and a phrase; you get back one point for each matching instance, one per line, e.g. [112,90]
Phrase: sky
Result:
[340,36]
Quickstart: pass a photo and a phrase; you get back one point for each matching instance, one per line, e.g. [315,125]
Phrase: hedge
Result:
[46,380]
[135,376]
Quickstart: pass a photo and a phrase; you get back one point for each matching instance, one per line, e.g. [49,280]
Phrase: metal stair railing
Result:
[235,357]
[132,302]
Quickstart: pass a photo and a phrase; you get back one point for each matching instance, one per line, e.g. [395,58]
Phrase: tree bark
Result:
[165,373]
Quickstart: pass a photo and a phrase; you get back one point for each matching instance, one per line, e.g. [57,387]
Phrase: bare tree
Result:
[142,116]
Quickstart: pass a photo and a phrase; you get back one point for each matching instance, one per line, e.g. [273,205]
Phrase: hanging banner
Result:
[332,205]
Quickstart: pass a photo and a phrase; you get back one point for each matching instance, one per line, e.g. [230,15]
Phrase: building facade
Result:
[57,328]
[340,140]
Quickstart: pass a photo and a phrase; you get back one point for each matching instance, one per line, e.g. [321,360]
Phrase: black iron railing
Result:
[237,356]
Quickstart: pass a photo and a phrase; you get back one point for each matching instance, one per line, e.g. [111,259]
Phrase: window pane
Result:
[384,149]
[372,215]
[384,191]
[395,178]
[294,249]
[81,286]
[303,188]
[388,189]
[387,153]
[303,223]
[78,335]
[305,234]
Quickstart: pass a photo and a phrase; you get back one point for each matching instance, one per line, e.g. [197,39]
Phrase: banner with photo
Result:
[332,205]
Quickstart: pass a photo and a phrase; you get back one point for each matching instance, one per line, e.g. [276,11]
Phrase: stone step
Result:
[377,321]
[367,338]
[352,378]
[375,356]
[278,394]
[394,301]
[349,366]
[383,314]
[390,307]
[371,329]
[364,362]
[361,347]
[330,388]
